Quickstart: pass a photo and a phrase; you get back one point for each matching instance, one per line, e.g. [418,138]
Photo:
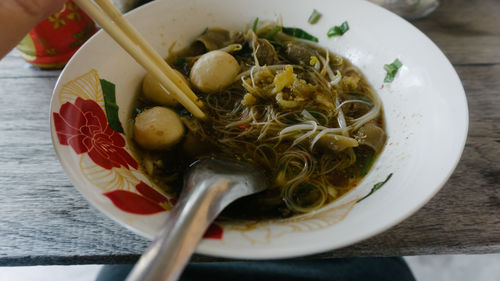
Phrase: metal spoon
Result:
[210,185]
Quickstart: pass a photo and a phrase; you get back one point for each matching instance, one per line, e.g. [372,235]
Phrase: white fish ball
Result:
[158,128]
[214,71]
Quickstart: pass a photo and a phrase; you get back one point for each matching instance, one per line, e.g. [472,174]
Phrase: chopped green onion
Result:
[392,70]
[255,23]
[299,33]
[314,17]
[376,187]
[272,32]
[108,91]
[338,30]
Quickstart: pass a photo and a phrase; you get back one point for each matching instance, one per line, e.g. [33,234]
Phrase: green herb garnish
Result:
[376,187]
[299,33]
[108,91]
[314,17]
[392,70]
[255,23]
[338,30]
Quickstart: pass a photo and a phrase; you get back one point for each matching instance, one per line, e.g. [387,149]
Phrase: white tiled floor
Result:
[425,268]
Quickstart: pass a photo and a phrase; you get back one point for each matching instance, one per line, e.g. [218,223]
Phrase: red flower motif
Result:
[214,231]
[150,201]
[85,128]
[147,202]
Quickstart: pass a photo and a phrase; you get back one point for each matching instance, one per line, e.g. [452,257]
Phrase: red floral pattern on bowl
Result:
[84,126]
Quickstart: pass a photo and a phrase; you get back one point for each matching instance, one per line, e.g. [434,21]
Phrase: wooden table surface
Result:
[45,220]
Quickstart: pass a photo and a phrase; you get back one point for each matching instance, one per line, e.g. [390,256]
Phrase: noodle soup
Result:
[305,116]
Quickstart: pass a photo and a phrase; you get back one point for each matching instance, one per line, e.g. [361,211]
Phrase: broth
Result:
[306,117]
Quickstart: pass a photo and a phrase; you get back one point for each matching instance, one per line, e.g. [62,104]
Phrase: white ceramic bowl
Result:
[425,109]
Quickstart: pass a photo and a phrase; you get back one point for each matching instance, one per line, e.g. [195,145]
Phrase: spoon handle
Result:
[209,187]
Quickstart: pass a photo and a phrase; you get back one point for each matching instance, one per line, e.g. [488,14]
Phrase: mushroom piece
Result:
[214,71]
[214,38]
[152,89]
[265,52]
[372,136]
[299,53]
[158,128]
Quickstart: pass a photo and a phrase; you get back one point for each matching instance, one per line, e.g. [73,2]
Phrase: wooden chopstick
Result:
[130,40]
[125,25]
